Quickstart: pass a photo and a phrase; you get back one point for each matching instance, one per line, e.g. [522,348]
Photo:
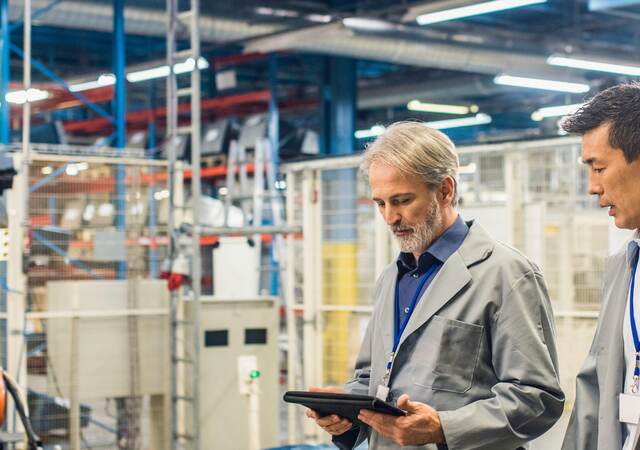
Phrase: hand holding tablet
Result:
[343,405]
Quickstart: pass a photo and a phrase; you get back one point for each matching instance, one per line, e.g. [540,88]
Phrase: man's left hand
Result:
[420,426]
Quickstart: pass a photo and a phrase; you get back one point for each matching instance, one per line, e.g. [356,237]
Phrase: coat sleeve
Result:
[527,400]
[582,432]
[359,384]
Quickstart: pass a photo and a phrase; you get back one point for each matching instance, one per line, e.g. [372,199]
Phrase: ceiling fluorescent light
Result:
[148,74]
[163,71]
[538,83]
[473,10]
[276,12]
[318,18]
[599,66]
[478,119]
[416,105]
[374,131]
[22,97]
[106,79]
[366,24]
[555,111]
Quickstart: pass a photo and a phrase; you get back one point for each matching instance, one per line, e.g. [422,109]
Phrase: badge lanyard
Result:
[397,331]
[634,330]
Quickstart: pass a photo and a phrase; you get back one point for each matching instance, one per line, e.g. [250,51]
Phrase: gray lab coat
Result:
[479,348]
[594,422]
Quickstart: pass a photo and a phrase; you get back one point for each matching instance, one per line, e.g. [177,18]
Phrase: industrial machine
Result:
[107,339]
[8,387]
[239,378]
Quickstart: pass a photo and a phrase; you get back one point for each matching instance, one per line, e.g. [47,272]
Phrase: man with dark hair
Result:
[607,406]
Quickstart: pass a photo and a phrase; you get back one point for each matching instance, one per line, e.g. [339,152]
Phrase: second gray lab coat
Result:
[479,348]
[594,422]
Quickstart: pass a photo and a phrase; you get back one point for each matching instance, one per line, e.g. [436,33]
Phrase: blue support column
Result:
[5,34]
[52,207]
[274,115]
[274,139]
[119,109]
[339,193]
[153,213]
[342,117]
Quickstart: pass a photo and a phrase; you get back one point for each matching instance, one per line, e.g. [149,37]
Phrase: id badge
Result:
[382,392]
[629,408]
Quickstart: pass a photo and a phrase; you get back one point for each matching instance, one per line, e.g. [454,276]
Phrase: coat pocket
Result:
[446,355]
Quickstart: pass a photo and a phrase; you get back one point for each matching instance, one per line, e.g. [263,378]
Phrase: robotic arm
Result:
[8,385]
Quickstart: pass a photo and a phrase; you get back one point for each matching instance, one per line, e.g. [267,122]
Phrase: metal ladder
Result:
[185,358]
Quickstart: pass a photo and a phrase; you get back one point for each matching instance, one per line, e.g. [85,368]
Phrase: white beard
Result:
[422,234]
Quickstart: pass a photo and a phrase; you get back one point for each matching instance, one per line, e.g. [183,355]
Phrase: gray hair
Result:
[415,149]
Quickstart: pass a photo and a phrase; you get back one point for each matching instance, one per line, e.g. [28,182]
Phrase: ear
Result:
[447,191]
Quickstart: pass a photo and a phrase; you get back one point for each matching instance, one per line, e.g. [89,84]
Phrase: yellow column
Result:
[340,281]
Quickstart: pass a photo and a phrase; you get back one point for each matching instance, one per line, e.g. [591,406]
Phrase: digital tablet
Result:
[343,405]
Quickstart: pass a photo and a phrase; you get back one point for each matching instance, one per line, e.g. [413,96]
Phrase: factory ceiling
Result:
[399,60]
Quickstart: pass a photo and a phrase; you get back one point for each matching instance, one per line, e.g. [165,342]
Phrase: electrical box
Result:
[239,343]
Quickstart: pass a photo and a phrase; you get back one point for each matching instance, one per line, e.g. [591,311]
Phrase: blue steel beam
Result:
[342,117]
[48,179]
[153,214]
[341,184]
[274,116]
[119,106]
[48,73]
[73,262]
[5,116]
[274,141]
[35,14]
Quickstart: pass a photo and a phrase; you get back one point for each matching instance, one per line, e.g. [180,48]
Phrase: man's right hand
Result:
[333,424]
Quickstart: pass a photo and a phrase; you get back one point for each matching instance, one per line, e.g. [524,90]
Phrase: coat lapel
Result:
[451,278]
[388,308]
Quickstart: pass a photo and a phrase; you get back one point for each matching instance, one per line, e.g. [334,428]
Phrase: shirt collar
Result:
[633,248]
[440,250]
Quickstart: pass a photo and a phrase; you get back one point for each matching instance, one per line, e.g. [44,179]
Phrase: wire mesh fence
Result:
[96,335]
[531,195]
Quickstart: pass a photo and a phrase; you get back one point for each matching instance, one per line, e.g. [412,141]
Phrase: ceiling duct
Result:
[330,39]
[141,21]
[370,97]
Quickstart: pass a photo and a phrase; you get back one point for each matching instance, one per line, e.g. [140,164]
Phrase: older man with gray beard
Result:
[462,335]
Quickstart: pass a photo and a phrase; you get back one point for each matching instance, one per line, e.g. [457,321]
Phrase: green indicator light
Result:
[254,374]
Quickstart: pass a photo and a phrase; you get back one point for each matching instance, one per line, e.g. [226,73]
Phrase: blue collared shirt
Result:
[410,274]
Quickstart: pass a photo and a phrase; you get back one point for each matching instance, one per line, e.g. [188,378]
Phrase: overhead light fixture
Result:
[31,95]
[318,18]
[598,66]
[539,83]
[473,10]
[366,24]
[163,71]
[468,169]
[106,79]
[374,131]
[276,12]
[555,111]
[74,169]
[478,119]
[109,79]
[417,105]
